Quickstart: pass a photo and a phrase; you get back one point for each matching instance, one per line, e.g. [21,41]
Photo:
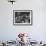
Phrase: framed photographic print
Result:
[22,17]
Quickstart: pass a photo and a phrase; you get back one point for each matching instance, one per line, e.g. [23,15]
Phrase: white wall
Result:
[38,30]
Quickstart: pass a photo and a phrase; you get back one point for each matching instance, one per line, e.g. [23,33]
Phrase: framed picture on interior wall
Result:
[22,17]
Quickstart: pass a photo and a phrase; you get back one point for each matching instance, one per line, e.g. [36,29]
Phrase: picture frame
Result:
[22,17]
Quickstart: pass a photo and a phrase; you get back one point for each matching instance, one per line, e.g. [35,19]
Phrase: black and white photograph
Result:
[22,16]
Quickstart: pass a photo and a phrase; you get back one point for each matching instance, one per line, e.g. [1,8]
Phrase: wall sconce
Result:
[12,1]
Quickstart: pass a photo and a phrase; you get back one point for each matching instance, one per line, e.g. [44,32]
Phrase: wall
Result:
[38,30]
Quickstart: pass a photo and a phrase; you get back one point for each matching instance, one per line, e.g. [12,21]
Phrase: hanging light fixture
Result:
[12,1]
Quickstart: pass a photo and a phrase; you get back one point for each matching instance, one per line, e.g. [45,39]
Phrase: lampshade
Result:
[12,1]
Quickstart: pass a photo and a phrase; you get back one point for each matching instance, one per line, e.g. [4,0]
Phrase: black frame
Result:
[31,12]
